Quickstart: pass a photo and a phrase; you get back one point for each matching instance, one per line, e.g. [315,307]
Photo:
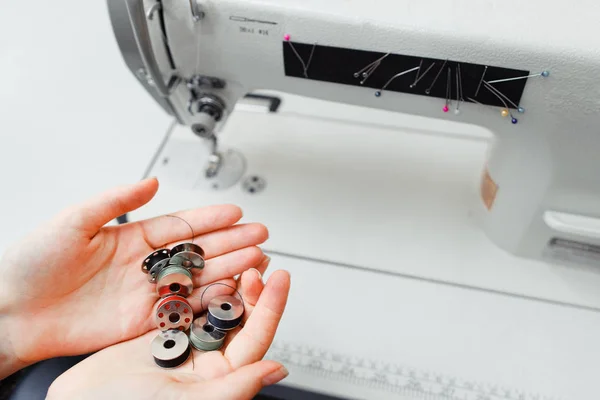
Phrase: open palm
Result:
[76,286]
[127,370]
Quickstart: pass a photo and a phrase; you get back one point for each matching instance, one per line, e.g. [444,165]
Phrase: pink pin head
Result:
[286,37]
[445,109]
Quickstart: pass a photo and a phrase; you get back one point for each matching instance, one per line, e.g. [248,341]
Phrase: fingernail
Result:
[257,272]
[275,376]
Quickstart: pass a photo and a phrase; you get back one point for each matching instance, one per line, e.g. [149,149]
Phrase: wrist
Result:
[10,330]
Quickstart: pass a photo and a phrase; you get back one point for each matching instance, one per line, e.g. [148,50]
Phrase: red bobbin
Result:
[173,312]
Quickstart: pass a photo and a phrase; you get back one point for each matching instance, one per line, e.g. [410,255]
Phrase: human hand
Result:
[126,370]
[75,286]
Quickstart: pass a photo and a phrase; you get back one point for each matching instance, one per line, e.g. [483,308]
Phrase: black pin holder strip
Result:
[338,65]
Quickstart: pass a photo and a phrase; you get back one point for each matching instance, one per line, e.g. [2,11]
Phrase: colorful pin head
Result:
[446,109]
[504,113]
[521,110]
[377,93]
[514,120]
[546,73]
[287,37]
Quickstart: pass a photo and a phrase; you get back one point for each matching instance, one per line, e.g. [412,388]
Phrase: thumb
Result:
[96,212]
[243,383]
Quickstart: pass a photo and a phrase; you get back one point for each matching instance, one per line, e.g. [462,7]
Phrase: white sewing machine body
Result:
[390,183]
[546,162]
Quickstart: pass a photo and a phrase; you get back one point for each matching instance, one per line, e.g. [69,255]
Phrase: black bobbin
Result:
[171,348]
[158,257]
[225,312]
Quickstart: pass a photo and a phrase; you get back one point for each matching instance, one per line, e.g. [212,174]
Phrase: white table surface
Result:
[73,121]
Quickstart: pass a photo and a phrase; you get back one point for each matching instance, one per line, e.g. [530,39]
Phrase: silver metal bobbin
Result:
[204,336]
[156,269]
[188,255]
[170,349]
[174,280]
[225,312]
[173,312]
[159,257]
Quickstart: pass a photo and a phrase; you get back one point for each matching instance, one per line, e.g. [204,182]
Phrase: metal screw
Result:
[254,184]
[141,73]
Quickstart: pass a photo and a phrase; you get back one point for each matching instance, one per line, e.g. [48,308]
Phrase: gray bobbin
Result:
[174,280]
[204,336]
[187,255]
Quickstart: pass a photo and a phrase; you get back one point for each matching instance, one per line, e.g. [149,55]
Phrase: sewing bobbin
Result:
[187,255]
[204,336]
[155,262]
[174,280]
[173,312]
[225,312]
[170,349]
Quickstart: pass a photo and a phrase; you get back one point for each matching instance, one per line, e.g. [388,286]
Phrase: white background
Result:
[73,121]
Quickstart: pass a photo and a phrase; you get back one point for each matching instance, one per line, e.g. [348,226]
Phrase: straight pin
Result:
[370,68]
[379,92]
[459,95]
[505,112]
[428,90]
[418,73]
[305,66]
[481,81]
[446,107]
[543,74]
[422,76]
[490,87]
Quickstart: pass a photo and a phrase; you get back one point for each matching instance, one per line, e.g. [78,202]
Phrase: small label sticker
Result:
[245,29]
[489,189]
[254,31]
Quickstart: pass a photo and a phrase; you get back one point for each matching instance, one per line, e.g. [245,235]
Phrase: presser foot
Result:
[223,170]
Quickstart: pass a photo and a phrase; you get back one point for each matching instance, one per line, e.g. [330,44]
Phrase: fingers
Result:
[162,230]
[250,287]
[228,265]
[250,284]
[262,268]
[93,214]
[253,341]
[244,383]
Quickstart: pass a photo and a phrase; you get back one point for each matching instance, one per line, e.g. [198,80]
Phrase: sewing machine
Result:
[406,143]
